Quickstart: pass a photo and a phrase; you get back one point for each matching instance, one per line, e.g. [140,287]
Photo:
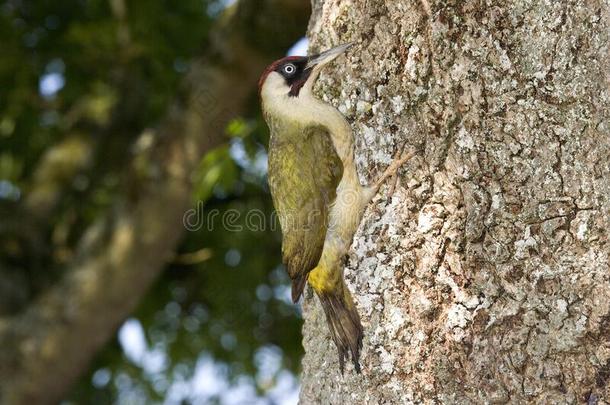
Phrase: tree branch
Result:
[44,349]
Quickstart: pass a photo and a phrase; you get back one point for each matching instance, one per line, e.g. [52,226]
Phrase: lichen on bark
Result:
[485,278]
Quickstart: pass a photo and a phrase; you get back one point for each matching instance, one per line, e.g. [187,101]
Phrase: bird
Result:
[315,189]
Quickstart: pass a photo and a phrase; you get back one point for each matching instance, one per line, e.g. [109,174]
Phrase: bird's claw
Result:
[392,170]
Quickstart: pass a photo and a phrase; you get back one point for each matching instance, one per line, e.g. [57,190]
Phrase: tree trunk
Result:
[485,278]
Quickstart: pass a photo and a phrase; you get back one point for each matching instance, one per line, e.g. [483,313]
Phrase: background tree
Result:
[486,277]
[115,118]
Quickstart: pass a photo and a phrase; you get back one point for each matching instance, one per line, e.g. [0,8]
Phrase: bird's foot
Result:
[392,170]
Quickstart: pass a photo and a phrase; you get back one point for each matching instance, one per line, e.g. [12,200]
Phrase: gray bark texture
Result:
[485,278]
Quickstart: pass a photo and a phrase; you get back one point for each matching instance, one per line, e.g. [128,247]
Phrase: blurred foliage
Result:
[80,81]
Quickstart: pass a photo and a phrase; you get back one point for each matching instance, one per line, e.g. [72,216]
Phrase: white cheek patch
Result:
[304,109]
[275,86]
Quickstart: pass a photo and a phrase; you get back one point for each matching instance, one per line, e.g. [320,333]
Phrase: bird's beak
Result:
[327,56]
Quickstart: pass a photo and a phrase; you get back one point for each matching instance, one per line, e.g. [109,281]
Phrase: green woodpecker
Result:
[315,189]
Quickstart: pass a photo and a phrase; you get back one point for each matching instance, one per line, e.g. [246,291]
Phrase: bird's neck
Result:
[306,110]
[317,112]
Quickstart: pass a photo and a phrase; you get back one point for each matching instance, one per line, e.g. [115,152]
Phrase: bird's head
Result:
[294,76]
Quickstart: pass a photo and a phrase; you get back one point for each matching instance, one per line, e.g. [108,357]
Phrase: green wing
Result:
[304,172]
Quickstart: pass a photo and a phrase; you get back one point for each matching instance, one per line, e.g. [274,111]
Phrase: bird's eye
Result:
[289,69]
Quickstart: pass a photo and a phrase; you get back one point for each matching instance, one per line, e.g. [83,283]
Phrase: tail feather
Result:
[298,284]
[344,324]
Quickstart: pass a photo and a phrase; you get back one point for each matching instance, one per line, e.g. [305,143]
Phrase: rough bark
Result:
[485,279]
[45,348]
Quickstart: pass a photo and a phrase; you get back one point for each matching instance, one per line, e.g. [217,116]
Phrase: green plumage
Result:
[304,172]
